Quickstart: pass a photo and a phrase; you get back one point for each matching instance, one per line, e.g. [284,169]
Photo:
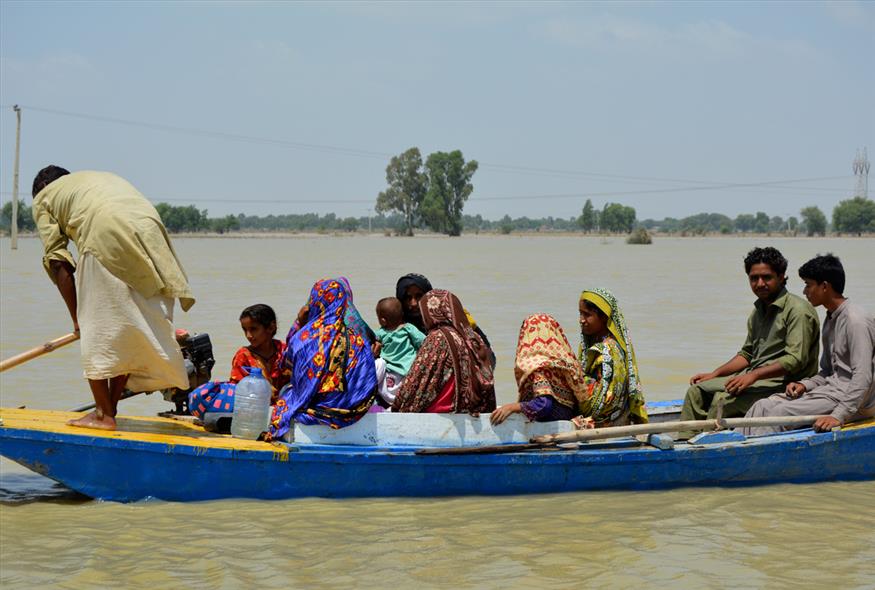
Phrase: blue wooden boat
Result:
[178,461]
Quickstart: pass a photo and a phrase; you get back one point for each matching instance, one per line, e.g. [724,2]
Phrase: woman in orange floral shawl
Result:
[549,377]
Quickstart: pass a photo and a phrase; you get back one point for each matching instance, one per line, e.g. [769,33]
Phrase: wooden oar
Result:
[551,440]
[38,351]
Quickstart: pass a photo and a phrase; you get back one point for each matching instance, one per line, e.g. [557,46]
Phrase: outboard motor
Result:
[197,353]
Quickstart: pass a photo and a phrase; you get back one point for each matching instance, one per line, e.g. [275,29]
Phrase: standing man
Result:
[128,278]
[844,388]
[781,346]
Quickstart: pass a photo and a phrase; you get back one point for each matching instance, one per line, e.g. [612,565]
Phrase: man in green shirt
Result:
[781,347]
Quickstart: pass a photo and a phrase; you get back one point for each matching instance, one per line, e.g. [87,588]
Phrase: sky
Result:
[272,107]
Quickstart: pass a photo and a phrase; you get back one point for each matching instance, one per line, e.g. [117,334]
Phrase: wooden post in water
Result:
[13,223]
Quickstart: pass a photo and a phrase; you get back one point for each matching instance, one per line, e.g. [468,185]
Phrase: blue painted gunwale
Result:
[127,470]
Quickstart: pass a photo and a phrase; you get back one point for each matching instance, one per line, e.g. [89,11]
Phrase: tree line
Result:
[852,216]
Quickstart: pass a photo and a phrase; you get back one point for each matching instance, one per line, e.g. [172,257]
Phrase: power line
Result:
[507,168]
[575,195]
[213,134]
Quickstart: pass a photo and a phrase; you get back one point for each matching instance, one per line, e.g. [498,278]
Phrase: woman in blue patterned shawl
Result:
[333,376]
[352,318]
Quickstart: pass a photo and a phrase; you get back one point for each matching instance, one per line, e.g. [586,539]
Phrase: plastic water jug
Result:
[251,406]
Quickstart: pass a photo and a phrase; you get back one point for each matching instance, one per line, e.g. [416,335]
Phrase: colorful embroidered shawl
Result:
[353,318]
[616,357]
[333,376]
[545,363]
[451,349]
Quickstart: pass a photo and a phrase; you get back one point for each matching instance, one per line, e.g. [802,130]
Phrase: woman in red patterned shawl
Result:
[452,370]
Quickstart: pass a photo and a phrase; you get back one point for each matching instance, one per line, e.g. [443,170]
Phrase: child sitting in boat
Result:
[264,352]
[400,341]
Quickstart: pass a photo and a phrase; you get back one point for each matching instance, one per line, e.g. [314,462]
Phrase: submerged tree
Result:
[406,190]
[814,220]
[449,186]
[225,224]
[854,216]
[587,219]
[761,223]
[617,218]
[179,219]
[744,222]
[25,217]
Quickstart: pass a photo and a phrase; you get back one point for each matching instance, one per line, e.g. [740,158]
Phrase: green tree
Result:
[587,219]
[792,225]
[814,220]
[225,224]
[407,188]
[449,186]
[761,223]
[617,218]
[506,224]
[745,222]
[776,224]
[179,219]
[703,223]
[25,217]
[854,216]
[349,224]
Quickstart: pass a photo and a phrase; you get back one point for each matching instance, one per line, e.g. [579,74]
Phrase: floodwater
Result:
[685,300]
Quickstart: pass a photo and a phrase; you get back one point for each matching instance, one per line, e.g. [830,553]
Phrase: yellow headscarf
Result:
[607,303]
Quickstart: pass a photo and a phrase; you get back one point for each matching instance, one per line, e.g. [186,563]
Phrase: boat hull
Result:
[119,467]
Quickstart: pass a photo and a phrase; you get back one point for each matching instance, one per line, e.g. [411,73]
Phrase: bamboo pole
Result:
[681,425]
[38,351]
[551,440]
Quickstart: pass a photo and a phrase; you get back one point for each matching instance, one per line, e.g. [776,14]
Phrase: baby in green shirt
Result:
[399,341]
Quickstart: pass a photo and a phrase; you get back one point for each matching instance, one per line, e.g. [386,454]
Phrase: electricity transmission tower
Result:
[861,171]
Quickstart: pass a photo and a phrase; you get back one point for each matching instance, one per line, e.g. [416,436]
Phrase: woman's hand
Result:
[376,347]
[302,315]
[583,422]
[502,413]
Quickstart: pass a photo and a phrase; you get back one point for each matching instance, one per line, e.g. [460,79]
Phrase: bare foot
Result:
[92,420]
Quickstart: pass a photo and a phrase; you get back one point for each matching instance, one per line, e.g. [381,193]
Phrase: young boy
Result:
[399,341]
[844,389]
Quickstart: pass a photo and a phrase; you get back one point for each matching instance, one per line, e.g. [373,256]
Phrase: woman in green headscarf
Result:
[600,388]
[612,390]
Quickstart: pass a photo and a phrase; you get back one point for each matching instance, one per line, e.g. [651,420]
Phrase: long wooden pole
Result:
[38,351]
[551,440]
[13,223]
[681,425]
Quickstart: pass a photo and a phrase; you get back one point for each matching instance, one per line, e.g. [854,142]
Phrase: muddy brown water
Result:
[685,301]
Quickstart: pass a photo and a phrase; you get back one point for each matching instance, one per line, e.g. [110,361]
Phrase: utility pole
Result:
[13,223]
